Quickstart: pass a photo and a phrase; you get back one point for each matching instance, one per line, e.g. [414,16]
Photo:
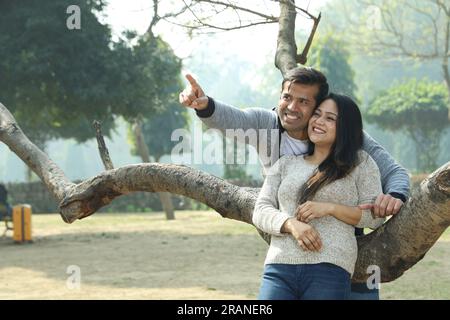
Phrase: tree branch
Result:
[303,58]
[227,199]
[406,238]
[202,24]
[285,57]
[155,18]
[394,248]
[236,7]
[50,174]
[103,150]
[443,6]
[390,21]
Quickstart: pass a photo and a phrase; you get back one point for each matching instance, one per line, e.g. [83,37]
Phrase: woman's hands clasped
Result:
[312,210]
[307,236]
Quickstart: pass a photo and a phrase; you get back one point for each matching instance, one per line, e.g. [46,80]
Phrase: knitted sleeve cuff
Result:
[208,111]
[398,196]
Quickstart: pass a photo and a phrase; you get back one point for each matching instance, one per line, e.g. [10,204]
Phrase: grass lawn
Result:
[143,256]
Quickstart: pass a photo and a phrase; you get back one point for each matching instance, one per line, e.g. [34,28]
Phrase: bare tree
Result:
[206,16]
[395,247]
[414,29]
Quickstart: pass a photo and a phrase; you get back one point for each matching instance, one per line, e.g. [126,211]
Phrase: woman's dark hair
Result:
[343,155]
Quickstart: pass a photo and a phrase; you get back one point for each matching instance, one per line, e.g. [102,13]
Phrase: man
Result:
[302,90]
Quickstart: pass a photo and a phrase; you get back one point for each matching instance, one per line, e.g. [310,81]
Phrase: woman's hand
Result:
[313,210]
[307,237]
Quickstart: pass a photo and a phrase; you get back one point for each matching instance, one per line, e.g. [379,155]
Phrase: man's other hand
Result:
[385,205]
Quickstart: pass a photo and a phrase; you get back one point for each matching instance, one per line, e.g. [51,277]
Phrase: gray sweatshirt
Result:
[277,202]
[265,125]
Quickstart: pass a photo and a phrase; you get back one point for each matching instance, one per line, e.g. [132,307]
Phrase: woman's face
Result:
[322,125]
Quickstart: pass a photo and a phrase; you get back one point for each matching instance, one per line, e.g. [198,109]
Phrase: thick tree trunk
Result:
[167,205]
[406,238]
[285,57]
[164,197]
[395,247]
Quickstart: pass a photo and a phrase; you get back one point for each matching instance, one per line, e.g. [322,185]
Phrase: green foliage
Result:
[419,103]
[420,108]
[235,170]
[148,77]
[52,76]
[375,53]
[330,56]
[57,81]
[157,130]
[157,127]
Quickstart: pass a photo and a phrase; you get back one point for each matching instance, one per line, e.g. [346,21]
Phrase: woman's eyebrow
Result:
[329,112]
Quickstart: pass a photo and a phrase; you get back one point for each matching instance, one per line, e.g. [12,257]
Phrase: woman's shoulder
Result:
[294,160]
[363,155]
[365,162]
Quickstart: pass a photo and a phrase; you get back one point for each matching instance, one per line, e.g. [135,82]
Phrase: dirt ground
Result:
[143,256]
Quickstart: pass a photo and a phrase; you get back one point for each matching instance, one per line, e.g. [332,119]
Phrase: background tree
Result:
[68,78]
[412,29]
[43,68]
[419,107]
[332,58]
[150,135]
[58,76]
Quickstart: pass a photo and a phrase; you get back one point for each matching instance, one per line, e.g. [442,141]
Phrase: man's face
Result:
[296,106]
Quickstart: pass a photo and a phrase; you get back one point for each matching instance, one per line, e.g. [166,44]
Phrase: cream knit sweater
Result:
[277,202]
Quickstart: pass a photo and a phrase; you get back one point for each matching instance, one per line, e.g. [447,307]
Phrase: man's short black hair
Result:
[308,76]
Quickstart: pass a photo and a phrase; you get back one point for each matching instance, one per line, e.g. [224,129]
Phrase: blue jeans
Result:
[360,291]
[322,281]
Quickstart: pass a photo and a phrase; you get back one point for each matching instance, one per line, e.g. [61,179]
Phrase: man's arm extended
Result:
[394,179]
[218,115]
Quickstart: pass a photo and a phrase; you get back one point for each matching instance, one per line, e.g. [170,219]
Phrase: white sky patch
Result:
[252,43]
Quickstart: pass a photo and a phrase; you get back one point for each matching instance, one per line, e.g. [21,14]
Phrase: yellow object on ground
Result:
[22,223]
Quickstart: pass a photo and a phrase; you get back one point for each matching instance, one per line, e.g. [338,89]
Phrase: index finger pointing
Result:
[191,80]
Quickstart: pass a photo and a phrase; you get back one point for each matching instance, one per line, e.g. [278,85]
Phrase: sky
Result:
[136,15]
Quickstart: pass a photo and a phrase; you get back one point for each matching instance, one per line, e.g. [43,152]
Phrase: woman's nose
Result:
[320,120]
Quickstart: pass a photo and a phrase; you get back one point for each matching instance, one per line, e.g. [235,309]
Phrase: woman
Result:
[309,204]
